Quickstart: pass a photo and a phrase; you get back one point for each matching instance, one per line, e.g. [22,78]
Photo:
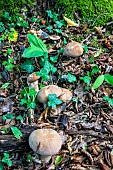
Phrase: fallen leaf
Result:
[70,22]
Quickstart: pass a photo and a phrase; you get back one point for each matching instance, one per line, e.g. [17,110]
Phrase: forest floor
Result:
[86,122]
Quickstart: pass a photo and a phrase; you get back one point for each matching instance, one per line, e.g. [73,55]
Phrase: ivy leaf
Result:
[17,133]
[86,79]
[54,58]
[5,85]
[108,78]
[71,78]
[44,74]
[7,116]
[58,160]
[28,66]
[6,159]
[98,82]
[53,100]
[13,35]
[33,51]
[32,92]
[31,105]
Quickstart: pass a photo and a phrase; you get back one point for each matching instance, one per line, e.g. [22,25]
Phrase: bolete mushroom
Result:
[42,95]
[66,95]
[73,49]
[45,142]
[32,81]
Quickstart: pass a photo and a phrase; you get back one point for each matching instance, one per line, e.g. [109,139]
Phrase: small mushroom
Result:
[73,49]
[45,142]
[45,91]
[32,77]
[66,95]
[32,81]
[54,37]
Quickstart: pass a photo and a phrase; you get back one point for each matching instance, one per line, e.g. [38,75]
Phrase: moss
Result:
[13,7]
[99,11]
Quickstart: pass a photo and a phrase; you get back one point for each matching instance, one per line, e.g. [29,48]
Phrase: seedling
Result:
[6,159]
[28,98]
[100,79]
[9,64]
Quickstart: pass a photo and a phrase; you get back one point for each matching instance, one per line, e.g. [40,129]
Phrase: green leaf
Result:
[58,30]
[6,159]
[85,47]
[33,51]
[109,100]
[23,101]
[35,41]
[31,105]
[95,69]
[58,160]
[44,74]
[49,13]
[28,66]
[108,78]
[53,100]
[1,166]
[28,159]
[86,79]
[54,58]
[71,78]
[17,133]
[7,116]
[98,82]
[32,92]
[50,29]
[19,117]
[5,85]
[75,99]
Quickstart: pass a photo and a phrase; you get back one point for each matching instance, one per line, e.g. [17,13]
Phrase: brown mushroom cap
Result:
[66,95]
[45,91]
[73,49]
[32,77]
[46,142]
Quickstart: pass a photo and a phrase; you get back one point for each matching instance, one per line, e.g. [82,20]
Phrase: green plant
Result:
[9,64]
[53,100]
[71,78]
[17,133]
[109,100]
[100,79]
[28,98]
[38,49]
[6,159]
[5,85]
[58,160]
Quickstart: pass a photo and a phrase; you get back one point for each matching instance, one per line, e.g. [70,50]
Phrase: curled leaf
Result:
[70,22]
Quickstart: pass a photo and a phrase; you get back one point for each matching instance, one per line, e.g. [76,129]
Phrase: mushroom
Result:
[73,49]
[54,37]
[32,81]
[66,95]
[45,142]
[42,95]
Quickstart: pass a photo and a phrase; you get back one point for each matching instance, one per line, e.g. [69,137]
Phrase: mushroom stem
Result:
[45,158]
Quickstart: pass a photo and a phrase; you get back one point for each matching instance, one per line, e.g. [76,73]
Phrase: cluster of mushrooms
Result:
[47,142]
